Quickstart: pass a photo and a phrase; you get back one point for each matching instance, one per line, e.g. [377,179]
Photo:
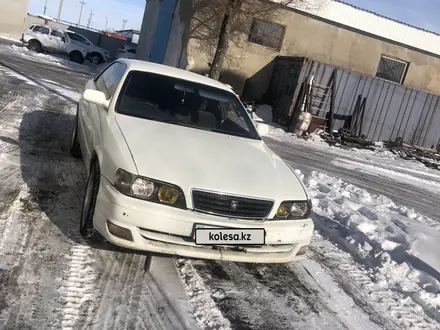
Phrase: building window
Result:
[267,34]
[392,69]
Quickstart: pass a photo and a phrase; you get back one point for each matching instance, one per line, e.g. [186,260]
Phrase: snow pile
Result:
[205,309]
[397,245]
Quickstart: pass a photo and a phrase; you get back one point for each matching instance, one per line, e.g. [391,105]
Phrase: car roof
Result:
[166,70]
[47,26]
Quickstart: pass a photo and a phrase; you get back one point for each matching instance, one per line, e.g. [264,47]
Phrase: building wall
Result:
[12,18]
[310,37]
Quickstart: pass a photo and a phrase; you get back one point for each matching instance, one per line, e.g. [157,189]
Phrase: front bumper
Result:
[163,229]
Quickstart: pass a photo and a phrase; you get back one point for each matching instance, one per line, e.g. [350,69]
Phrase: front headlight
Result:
[293,210]
[149,189]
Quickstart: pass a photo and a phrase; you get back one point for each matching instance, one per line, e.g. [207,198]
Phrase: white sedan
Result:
[176,166]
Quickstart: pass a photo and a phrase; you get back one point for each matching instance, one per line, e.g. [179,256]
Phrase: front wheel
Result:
[76,57]
[96,58]
[88,211]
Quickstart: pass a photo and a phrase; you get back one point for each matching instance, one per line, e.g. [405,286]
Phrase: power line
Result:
[80,11]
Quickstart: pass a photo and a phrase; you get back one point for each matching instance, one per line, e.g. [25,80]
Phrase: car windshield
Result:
[180,102]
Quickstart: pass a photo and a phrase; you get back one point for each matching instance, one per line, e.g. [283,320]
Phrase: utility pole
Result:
[124,22]
[90,19]
[45,7]
[80,11]
[106,22]
[59,10]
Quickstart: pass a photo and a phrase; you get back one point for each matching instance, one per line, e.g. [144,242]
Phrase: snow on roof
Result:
[375,24]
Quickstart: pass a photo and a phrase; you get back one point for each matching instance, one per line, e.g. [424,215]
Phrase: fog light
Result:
[303,250]
[168,194]
[120,232]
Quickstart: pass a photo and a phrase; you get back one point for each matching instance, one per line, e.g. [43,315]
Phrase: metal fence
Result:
[392,110]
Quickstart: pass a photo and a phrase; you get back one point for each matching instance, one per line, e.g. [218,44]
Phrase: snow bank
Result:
[398,245]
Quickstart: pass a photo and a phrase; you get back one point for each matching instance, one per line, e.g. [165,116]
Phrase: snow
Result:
[372,263]
[204,308]
[400,246]
[54,59]
[11,73]
[380,155]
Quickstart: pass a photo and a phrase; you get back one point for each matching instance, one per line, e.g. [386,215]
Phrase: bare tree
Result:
[221,22]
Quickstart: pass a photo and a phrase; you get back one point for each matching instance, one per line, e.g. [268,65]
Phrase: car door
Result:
[79,40]
[93,117]
[58,41]
[42,34]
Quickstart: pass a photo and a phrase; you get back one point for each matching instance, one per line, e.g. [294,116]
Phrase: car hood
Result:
[199,159]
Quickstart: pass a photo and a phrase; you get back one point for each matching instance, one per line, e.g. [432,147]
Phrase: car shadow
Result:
[56,181]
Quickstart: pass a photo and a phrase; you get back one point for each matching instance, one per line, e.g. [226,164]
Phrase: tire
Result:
[35,46]
[76,57]
[88,210]
[96,58]
[75,148]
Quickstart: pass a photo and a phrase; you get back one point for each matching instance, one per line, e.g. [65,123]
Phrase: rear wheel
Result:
[35,46]
[76,57]
[88,211]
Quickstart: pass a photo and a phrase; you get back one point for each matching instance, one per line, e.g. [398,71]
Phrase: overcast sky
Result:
[421,13]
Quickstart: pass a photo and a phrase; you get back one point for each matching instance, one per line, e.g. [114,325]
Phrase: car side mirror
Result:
[96,97]
[263,129]
[63,39]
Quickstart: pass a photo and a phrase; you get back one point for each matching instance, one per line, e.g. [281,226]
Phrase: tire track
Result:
[78,287]
[266,297]
[387,307]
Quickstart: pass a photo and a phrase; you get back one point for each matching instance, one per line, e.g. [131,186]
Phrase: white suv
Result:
[95,54]
[176,166]
[41,38]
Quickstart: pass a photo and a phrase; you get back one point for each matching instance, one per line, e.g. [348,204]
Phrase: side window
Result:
[133,51]
[31,27]
[112,81]
[79,38]
[41,29]
[57,34]
[109,80]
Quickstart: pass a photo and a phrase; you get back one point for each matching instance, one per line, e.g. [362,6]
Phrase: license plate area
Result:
[230,236]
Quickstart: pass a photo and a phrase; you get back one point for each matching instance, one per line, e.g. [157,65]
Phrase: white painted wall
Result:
[13,15]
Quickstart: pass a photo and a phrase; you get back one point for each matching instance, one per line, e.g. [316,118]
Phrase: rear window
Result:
[170,100]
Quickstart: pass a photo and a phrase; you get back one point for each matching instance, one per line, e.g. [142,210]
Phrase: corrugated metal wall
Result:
[392,110]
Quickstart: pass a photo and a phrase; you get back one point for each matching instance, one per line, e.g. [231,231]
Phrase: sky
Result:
[115,10]
[420,13]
